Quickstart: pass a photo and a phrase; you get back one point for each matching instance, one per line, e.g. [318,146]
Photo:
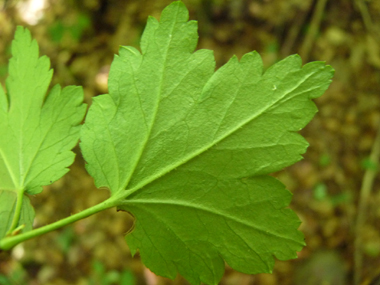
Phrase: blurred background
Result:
[336,187]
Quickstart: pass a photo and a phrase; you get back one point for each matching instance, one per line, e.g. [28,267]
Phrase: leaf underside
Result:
[37,132]
[188,150]
[7,210]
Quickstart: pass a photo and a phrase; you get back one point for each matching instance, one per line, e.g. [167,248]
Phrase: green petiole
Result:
[16,217]
[11,241]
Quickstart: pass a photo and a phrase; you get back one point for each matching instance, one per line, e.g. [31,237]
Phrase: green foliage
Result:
[8,201]
[320,191]
[16,276]
[36,133]
[191,148]
[65,239]
[184,148]
[367,163]
[324,160]
[100,276]
[74,29]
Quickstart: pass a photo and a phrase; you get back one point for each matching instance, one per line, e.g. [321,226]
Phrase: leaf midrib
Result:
[195,154]
[125,184]
[38,149]
[9,168]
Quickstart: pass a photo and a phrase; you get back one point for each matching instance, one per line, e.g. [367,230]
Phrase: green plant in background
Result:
[185,149]
[320,190]
[100,276]
[74,29]
[17,276]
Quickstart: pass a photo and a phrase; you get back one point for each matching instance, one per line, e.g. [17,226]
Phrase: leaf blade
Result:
[170,114]
[183,213]
[139,76]
[7,211]
[37,131]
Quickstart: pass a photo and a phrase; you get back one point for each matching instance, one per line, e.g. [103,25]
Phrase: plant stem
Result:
[365,191]
[17,213]
[313,29]
[365,14]
[9,242]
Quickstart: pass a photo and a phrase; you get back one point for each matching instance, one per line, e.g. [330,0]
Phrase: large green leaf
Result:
[187,150]
[37,132]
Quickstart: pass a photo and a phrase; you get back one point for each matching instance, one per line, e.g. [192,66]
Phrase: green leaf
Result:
[8,201]
[190,221]
[37,132]
[187,151]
